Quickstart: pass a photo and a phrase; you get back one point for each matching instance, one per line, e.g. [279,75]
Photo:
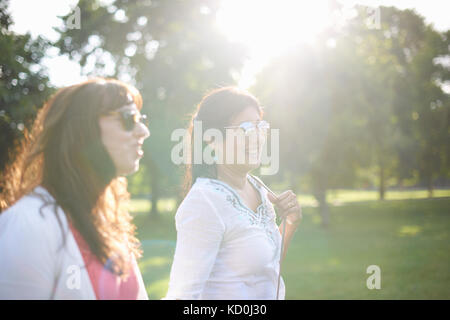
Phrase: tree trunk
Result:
[179,200]
[324,212]
[321,196]
[155,197]
[382,182]
[426,178]
[430,184]
[155,179]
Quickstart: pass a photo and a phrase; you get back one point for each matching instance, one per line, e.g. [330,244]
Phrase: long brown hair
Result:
[64,153]
[216,110]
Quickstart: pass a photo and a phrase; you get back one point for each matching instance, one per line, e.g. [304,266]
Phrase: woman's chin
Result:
[128,170]
[135,167]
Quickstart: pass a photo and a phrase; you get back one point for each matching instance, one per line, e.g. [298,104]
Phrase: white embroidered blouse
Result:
[224,250]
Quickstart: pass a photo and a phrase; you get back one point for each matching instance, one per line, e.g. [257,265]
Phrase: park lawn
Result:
[340,196]
[407,239]
[335,197]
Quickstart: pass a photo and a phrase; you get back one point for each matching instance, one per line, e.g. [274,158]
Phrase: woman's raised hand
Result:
[289,207]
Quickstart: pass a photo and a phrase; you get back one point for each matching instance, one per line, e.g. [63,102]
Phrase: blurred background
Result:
[360,91]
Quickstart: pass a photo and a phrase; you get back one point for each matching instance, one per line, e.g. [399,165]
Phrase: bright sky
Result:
[288,19]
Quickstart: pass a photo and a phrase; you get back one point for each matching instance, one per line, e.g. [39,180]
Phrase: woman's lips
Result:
[139,151]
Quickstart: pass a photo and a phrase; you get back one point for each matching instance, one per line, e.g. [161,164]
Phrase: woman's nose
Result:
[141,131]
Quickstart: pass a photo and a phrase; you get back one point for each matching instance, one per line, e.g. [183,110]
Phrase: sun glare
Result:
[270,27]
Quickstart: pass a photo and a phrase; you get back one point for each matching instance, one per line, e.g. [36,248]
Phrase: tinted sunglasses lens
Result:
[128,120]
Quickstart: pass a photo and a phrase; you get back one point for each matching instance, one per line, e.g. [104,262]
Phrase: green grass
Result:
[335,197]
[345,196]
[144,205]
[407,239]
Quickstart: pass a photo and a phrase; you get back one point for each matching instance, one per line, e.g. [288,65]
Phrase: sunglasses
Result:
[130,118]
[249,127]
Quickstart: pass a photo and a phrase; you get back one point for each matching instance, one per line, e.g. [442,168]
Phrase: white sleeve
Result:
[142,293]
[27,257]
[199,235]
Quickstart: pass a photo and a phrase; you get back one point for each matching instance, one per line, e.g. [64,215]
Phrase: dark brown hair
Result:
[64,153]
[216,110]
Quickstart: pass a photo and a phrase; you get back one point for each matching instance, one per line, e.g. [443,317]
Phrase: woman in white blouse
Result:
[228,242]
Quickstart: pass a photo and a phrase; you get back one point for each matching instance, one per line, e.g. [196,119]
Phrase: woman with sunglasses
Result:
[65,232]
[228,242]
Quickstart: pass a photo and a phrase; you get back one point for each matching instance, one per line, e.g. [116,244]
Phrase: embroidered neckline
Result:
[259,218]
[239,199]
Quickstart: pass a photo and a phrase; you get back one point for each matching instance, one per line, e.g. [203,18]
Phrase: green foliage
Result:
[171,51]
[363,107]
[23,84]
[372,100]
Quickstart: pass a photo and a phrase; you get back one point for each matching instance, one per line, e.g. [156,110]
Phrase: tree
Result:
[419,106]
[171,51]
[307,101]
[23,84]
[430,106]
[347,103]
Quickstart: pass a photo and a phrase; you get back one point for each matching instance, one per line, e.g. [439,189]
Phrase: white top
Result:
[33,262]
[224,250]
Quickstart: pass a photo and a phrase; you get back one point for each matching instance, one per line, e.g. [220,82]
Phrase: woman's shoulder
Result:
[207,192]
[212,188]
[201,201]
[198,196]
[33,216]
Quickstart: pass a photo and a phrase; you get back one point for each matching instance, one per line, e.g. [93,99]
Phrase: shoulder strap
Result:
[283,233]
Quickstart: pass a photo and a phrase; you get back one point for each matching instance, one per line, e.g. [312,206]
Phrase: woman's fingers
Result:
[286,194]
[282,196]
[288,202]
[295,211]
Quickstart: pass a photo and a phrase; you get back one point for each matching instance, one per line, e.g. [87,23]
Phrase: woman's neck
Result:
[235,178]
